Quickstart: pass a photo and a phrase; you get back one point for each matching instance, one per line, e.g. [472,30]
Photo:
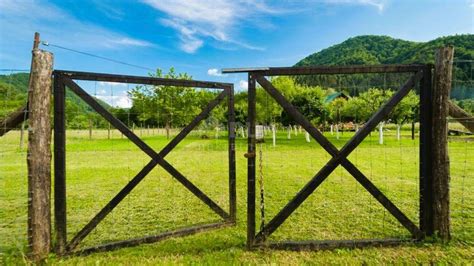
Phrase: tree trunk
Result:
[441,174]
[167,127]
[39,155]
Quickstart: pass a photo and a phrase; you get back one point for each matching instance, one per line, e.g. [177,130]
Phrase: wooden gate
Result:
[421,75]
[66,78]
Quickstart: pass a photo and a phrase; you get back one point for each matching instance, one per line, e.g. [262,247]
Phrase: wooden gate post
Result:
[441,175]
[39,154]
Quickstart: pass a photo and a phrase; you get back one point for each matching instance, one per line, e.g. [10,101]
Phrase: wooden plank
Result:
[14,119]
[39,155]
[141,80]
[333,244]
[152,239]
[326,70]
[324,172]
[461,116]
[426,154]
[60,165]
[441,174]
[231,154]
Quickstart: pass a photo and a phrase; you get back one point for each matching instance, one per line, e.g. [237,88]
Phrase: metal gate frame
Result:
[421,74]
[64,78]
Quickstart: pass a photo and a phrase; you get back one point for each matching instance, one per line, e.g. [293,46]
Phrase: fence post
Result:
[441,175]
[39,154]
[426,152]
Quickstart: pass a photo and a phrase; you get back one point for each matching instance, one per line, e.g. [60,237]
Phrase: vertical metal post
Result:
[232,173]
[251,161]
[426,153]
[59,164]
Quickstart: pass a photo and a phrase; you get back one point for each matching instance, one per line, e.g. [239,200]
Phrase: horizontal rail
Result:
[152,239]
[314,70]
[332,244]
[77,75]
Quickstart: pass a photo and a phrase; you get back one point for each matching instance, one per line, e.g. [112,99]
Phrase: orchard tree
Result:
[168,105]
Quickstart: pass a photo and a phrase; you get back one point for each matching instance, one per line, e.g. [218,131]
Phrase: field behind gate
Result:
[339,209]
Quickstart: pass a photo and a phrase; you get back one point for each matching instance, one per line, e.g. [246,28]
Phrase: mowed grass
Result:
[339,209]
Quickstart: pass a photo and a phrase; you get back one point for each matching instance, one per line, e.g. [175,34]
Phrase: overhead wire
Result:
[96,56]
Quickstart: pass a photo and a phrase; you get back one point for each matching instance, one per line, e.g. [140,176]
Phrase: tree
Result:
[172,105]
[310,103]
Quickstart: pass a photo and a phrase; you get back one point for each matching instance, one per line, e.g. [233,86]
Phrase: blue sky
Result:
[201,37]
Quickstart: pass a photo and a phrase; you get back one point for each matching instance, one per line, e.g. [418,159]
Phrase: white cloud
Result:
[101,91]
[113,84]
[198,20]
[378,4]
[243,85]
[215,72]
[122,101]
[131,42]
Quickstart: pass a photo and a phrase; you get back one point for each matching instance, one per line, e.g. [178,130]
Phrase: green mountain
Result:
[14,92]
[370,50]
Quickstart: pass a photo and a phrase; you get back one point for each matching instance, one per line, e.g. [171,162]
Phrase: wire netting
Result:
[13,167]
[340,208]
[461,154]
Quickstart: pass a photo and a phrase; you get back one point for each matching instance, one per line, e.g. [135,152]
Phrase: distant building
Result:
[331,97]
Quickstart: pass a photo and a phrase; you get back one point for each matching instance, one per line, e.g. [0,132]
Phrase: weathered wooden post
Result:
[39,153]
[441,175]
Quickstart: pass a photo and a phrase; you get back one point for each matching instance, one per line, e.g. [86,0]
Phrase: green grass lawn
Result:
[339,209]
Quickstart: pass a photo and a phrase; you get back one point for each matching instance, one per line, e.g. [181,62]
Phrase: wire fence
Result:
[461,152]
[100,161]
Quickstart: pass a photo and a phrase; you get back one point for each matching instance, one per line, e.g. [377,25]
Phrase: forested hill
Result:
[13,94]
[371,49]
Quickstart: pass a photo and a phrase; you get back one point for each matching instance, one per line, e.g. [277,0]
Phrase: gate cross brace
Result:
[339,157]
[157,158]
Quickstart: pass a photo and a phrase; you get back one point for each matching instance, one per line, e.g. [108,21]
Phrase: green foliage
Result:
[361,108]
[370,50]
[310,102]
[172,106]
[13,90]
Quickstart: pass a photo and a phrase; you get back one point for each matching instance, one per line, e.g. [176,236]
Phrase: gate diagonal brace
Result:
[339,157]
[157,158]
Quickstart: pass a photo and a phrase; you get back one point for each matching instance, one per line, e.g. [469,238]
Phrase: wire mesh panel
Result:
[461,153]
[336,177]
[13,167]
[121,190]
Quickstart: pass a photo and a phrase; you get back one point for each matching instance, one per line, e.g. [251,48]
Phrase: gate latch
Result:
[249,155]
